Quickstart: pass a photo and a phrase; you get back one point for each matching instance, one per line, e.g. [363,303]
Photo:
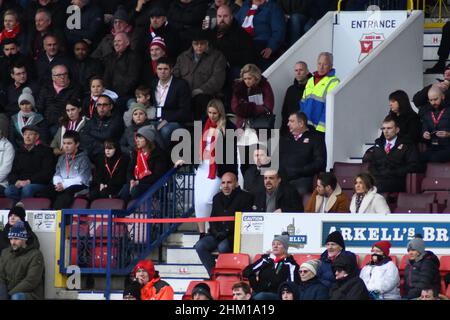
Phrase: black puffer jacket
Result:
[266,276]
[420,274]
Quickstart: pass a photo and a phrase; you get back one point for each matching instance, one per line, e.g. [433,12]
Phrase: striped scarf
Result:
[247,25]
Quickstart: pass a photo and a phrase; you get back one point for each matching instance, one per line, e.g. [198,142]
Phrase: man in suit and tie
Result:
[171,97]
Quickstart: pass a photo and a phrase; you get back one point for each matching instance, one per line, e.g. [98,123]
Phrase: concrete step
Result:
[179,255]
[430,53]
[432,39]
[180,285]
[178,296]
[183,239]
[98,295]
[188,227]
[182,270]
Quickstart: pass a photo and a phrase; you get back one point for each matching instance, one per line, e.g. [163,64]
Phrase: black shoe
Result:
[439,67]
[202,234]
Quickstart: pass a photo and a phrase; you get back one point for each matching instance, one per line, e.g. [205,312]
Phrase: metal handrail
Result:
[410,5]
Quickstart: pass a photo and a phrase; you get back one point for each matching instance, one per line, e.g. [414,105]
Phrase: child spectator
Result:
[143,97]
[97,89]
[73,171]
[110,172]
[72,120]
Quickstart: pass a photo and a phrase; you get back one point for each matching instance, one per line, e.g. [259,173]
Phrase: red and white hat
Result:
[158,41]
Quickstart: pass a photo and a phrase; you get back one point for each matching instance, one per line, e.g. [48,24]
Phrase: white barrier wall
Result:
[357,106]
[281,73]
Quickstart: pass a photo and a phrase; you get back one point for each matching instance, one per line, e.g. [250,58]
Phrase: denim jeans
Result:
[298,24]
[19,296]
[208,244]
[26,192]
[166,132]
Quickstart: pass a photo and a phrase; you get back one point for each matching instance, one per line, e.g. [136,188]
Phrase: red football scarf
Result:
[248,21]
[141,168]
[212,150]
[10,34]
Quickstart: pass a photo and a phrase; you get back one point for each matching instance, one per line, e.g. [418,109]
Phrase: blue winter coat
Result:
[269,23]
[312,290]
[325,272]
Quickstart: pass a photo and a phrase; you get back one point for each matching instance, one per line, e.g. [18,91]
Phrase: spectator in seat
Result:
[443,51]
[50,57]
[84,67]
[272,269]
[7,153]
[203,67]
[54,96]
[121,23]
[122,68]
[157,49]
[328,196]
[348,285]
[294,93]
[241,291]
[310,287]
[73,171]
[171,97]
[420,99]
[21,268]
[220,235]
[431,294]
[392,158]
[32,169]
[213,161]
[73,120]
[297,17]
[264,21]
[97,88]
[436,127]
[11,56]
[278,196]
[202,291]
[335,247]
[406,118]
[288,291]
[26,117]
[422,269]
[152,287]
[16,214]
[91,21]
[21,79]
[144,98]
[132,291]
[160,27]
[366,199]
[110,172]
[12,29]
[56,8]
[186,17]
[106,124]
[147,164]
[381,274]
[254,175]
[318,86]
[302,153]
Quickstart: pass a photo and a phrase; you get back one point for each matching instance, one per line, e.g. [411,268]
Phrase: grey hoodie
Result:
[79,172]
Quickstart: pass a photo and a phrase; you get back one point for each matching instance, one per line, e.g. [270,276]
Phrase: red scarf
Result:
[212,150]
[141,168]
[10,34]
[127,30]
[318,77]
[154,66]
[247,25]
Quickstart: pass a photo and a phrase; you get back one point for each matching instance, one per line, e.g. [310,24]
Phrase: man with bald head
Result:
[122,67]
[220,235]
[435,119]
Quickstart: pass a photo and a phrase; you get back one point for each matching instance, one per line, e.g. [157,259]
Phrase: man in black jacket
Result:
[302,153]
[220,234]
[50,57]
[33,167]
[160,27]
[253,176]
[277,196]
[392,158]
[84,67]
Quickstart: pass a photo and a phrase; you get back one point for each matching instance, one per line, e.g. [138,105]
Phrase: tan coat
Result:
[337,203]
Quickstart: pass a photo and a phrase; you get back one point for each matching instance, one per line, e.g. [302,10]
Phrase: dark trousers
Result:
[436,154]
[65,198]
[208,244]
[136,192]
[394,184]
[199,104]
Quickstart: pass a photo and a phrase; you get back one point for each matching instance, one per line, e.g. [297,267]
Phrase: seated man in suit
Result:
[171,96]
[277,196]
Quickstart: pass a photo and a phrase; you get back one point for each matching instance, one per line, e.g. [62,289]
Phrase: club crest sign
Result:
[368,43]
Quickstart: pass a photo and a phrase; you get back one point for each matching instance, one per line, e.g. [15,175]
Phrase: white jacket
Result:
[6,160]
[384,279]
[371,203]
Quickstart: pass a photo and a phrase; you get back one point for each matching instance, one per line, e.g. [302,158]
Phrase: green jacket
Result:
[23,271]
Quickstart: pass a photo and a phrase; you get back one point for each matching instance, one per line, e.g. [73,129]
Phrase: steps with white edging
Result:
[182,255]
[180,285]
[182,270]
[182,239]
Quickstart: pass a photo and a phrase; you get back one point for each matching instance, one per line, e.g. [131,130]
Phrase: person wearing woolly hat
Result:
[310,287]
[381,275]
[152,287]
[335,246]
[157,49]
[27,95]
[19,232]
[121,14]
[202,292]
[283,239]
[288,291]
[422,269]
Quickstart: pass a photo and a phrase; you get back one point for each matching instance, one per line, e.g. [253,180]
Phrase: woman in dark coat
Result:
[348,285]
[310,287]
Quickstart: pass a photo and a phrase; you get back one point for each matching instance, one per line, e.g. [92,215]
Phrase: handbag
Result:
[263,121]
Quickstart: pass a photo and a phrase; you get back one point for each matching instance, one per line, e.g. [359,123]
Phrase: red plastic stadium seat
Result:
[230,266]
[437,179]
[80,203]
[257,257]
[346,172]
[112,204]
[36,203]
[415,203]
[403,263]
[6,203]
[302,257]
[444,269]
[213,285]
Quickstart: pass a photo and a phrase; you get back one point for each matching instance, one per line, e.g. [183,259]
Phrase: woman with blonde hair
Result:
[213,161]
